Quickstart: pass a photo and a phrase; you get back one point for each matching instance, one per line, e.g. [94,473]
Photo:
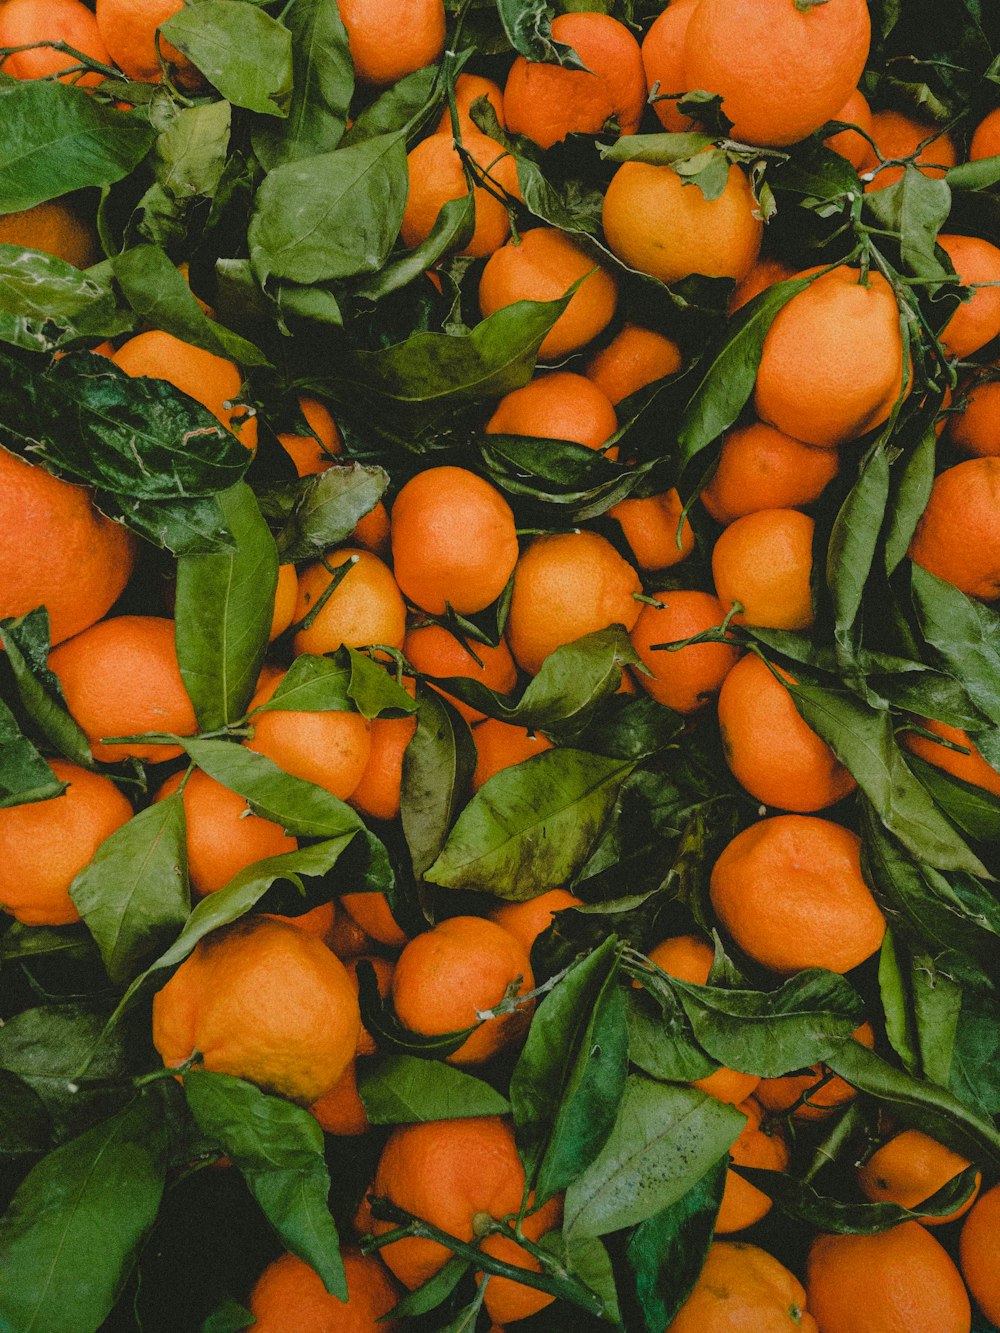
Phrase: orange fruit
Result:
[372,913]
[765,273]
[312,453]
[971,767]
[565,586]
[378,792]
[764,561]
[789,890]
[977,1253]
[340,1111]
[744,1204]
[53,227]
[223,837]
[23,22]
[290,1294]
[372,530]
[366,607]
[435,651]
[330,749]
[958,535]
[900,136]
[383,48]
[120,678]
[557,406]
[547,102]
[849,143]
[542,265]
[500,745]
[900,1278]
[285,596]
[634,357]
[909,1169]
[527,920]
[650,527]
[762,468]
[832,363]
[462,965]
[689,958]
[977,320]
[986,137]
[468,89]
[658,223]
[663,62]
[264,1001]
[209,379]
[437,175]
[45,844]
[453,541]
[976,428]
[772,752]
[506,1298]
[782,69]
[687,678]
[317,921]
[346,938]
[56,550]
[820,1099]
[129,29]
[743,1289]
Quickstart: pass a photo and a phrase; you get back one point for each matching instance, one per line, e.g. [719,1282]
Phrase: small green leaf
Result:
[229,1317]
[853,541]
[528,25]
[438,765]
[46,303]
[405,1090]
[243,52]
[373,690]
[315,513]
[26,641]
[451,232]
[312,685]
[24,774]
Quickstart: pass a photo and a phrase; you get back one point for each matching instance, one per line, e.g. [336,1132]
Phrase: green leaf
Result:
[937,1001]
[569,1079]
[74,1227]
[223,613]
[229,1317]
[58,138]
[25,1126]
[963,636]
[853,541]
[452,231]
[26,641]
[662,1144]
[134,893]
[897,1006]
[438,765]
[24,774]
[973,809]
[912,489]
[979,175]
[975,1059]
[373,690]
[434,1291]
[405,1090]
[660,1040]
[396,108]
[330,216]
[531,826]
[243,52]
[191,151]
[323,83]
[916,207]
[46,303]
[660,150]
[317,512]
[379,1018]
[312,685]
[528,25]
[278,1149]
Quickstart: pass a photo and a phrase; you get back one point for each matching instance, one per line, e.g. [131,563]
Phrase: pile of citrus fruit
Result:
[499,666]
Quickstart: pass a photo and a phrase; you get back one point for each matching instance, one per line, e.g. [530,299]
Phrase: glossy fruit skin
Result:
[437,176]
[527,920]
[977,1252]
[684,679]
[763,561]
[958,535]
[289,1294]
[129,30]
[650,526]
[744,1204]
[54,227]
[436,652]
[762,468]
[468,89]
[849,143]
[23,22]
[976,429]
[976,322]
[743,1289]
[382,48]
[898,135]
[311,453]
[365,608]
[507,1299]
[821,1094]
[909,1169]
[372,913]
[971,767]
[557,406]
[378,794]
[635,356]
[986,139]
[663,61]
[501,745]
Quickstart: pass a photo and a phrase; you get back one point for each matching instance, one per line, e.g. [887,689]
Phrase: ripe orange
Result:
[437,175]
[565,586]
[453,541]
[120,678]
[312,453]
[435,651]
[820,1099]
[986,138]
[208,379]
[849,143]
[53,227]
[977,1252]
[468,89]
[687,678]
[129,29]
[634,357]
[506,1298]
[45,844]
[790,892]
[290,1294]
[650,527]
[264,1001]
[763,561]
[366,607]
[329,749]
[743,1289]
[56,550]
[557,406]
[317,921]
[663,62]
[958,536]
[976,428]
[832,364]
[744,1204]
[340,1111]
[462,965]
[765,273]
[971,767]
[346,938]
[23,22]
[761,468]
[547,102]
[383,48]
[977,320]
[771,750]
[372,530]
[900,1278]
[542,265]
[899,136]
[223,837]
[909,1169]
[372,913]
[660,224]
[500,745]
[285,596]
[783,70]
[526,921]
[378,792]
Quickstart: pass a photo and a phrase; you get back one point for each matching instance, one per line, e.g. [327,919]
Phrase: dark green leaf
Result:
[379,1019]
[46,303]
[373,690]
[528,25]
[317,512]
[396,108]
[963,636]
[438,765]
[853,541]
[24,774]
[912,491]
[26,641]
[660,1040]
[452,231]
[191,150]
[405,1090]
[243,52]
[973,809]
[434,1291]
[897,1002]
[660,150]
[312,685]
[25,1126]
[229,1317]
[975,1059]
[916,207]
[979,175]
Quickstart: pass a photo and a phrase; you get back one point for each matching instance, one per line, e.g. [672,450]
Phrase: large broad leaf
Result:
[916,207]
[315,513]
[75,1225]
[26,643]
[25,1125]
[532,825]
[963,635]
[46,303]
[278,1149]
[57,139]
[405,1090]
[397,107]
[243,52]
[223,613]
[191,151]
[438,765]
[24,774]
